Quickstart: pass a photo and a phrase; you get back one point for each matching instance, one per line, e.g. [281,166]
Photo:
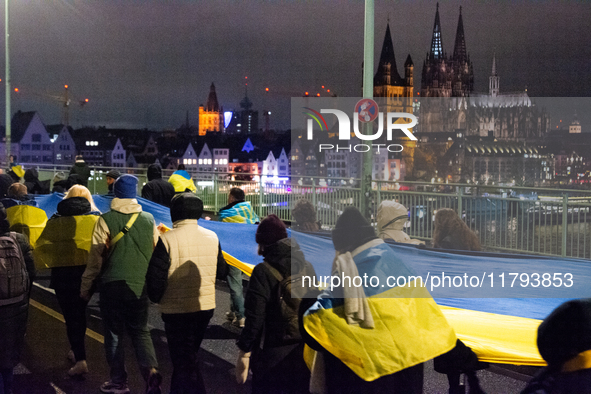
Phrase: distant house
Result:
[30,138]
[64,147]
[283,164]
[220,161]
[189,159]
[118,155]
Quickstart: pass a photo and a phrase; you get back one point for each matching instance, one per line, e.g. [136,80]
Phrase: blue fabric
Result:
[183,173]
[238,240]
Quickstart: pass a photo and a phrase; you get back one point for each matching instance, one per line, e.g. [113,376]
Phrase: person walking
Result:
[122,244]
[237,211]
[157,189]
[271,336]
[80,170]
[63,246]
[181,278]
[17,263]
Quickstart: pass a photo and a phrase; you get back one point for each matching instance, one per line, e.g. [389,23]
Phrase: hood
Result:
[31,175]
[125,205]
[73,206]
[285,255]
[391,216]
[185,206]
[5,182]
[154,172]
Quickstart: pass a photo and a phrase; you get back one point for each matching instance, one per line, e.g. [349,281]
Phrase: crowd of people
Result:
[293,338]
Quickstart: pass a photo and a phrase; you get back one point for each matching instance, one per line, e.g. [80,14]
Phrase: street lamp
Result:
[7,83]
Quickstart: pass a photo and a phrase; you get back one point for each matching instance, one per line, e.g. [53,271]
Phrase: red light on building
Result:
[16,89]
[267,89]
[306,93]
[66,86]
[318,94]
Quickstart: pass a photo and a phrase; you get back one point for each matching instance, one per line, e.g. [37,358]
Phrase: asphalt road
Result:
[43,368]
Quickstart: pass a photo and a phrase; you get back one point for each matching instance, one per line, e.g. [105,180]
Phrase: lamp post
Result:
[7,83]
[366,165]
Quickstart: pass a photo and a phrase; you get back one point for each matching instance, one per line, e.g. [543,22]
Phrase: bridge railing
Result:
[508,218]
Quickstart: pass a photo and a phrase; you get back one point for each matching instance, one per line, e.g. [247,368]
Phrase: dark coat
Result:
[157,189]
[70,277]
[33,184]
[82,170]
[13,318]
[276,363]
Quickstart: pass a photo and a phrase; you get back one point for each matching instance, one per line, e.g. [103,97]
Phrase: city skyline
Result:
[144,65]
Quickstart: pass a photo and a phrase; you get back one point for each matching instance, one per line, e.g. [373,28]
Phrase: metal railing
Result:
[508,218]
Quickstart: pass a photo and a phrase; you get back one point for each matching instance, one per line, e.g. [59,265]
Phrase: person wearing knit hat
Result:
[111,177]
[351,230]
[122,243]
[81,170]
[391,219]
[363,320]
[564,342]
[277,362]
[125,186]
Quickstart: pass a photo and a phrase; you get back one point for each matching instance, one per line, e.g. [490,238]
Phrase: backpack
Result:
[14,278]
[289,296]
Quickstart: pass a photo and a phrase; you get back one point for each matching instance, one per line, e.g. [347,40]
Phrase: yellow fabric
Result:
[65,241]
[18,170]
[181,183]
[234,219]
[408,331]
[27,220]
[497,338]
[580,361]
[244,267]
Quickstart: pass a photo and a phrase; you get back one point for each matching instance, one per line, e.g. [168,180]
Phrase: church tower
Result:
[211,117]
[493,80]
[463,75]
[388,83]
[436,78]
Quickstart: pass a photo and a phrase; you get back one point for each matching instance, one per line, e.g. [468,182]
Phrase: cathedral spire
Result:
[436,42]
[494,66]
[460,54]
[212,100]
[387,73]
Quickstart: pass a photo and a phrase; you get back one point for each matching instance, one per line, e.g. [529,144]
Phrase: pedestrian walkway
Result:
[43,368]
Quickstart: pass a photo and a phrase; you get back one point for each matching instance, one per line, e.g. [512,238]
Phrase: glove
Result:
[242,367]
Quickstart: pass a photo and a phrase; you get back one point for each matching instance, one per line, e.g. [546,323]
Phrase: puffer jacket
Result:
[183,268]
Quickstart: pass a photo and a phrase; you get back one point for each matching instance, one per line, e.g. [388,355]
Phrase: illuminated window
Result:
[200,161]
[194,161]
[216,162]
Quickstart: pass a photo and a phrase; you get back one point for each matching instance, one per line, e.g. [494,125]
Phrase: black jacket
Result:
[261,305]
[157,189]
[82,170]
[33,184]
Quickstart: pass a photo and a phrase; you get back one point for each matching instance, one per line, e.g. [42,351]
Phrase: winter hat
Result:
[185,206]
[565,333]
[351,230]
[126,186]
[113,174]
[5,182]
[270,231]
[391,218]
[59,176]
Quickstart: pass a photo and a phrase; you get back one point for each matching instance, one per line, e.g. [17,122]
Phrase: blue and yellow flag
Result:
[409,326]
[65,242]
[181,180]
[241,212]
[27,220]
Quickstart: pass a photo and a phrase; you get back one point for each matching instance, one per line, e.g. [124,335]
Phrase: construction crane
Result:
[65,99]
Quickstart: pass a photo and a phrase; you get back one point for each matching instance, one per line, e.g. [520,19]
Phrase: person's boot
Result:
[454,384]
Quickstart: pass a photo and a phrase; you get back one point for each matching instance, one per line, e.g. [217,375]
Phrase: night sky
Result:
[145,64]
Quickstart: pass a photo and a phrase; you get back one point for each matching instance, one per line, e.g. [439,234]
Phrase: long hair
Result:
[81,191]
[449,224]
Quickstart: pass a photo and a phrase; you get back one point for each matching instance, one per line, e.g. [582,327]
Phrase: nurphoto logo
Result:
[365,111]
